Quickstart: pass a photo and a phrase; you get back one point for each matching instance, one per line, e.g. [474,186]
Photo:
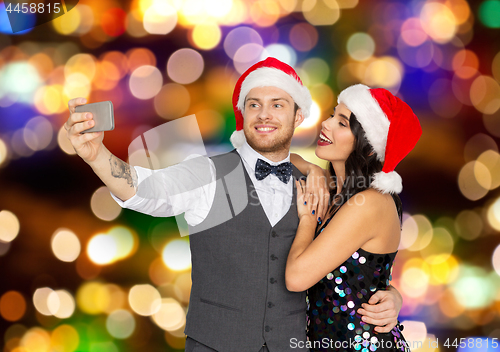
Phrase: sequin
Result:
[341,293]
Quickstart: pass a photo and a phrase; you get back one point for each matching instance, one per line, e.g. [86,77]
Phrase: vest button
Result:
[273,257]
[270,304]
[274,234]
[267,328]
[272,280]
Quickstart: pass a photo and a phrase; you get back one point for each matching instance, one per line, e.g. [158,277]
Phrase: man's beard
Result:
[278,144]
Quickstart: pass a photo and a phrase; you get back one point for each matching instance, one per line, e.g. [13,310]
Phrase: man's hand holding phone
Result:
[87,145]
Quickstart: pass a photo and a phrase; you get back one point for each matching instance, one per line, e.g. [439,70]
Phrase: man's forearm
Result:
[117,175]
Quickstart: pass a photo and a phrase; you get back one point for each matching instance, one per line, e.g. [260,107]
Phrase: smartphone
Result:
[102,114]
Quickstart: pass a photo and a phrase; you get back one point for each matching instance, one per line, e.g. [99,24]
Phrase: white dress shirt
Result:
[189,188]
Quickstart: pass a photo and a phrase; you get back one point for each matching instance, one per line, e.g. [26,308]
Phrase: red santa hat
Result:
[270,72]
[390,126]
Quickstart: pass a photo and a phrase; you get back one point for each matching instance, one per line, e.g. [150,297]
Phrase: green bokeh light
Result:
[489,13]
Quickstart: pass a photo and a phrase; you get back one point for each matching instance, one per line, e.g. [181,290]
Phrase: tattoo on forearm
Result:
[121,169]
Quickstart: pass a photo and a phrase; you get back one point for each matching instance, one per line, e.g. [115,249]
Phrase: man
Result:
[239,301]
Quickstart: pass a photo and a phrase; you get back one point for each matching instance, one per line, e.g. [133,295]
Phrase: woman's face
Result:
[336,140]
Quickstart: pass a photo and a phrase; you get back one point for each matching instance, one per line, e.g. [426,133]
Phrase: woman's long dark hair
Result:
[360,167]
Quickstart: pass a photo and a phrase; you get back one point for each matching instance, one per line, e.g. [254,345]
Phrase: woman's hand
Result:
[317,186]
[306,208]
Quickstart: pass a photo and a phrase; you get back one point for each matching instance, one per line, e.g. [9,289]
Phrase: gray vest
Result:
[239,298]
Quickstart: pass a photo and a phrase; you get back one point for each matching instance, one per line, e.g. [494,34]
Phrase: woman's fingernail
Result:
[87,115]
[319,219]
[305,203]
[84,100]
[313,212]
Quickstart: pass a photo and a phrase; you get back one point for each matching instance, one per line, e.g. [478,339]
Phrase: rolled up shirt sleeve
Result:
[187,187]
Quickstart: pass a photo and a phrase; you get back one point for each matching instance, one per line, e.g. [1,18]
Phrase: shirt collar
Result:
[250,156]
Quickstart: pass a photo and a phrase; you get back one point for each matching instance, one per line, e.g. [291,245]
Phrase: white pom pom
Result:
[389,182]
[237,138]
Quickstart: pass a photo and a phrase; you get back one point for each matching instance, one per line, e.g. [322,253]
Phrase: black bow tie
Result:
[283,171]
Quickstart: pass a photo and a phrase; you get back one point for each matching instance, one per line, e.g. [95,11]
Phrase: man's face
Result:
[269,119]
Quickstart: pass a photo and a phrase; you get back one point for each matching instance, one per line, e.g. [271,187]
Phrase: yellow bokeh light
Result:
[468,183]
[120,324]
[93,298]
[3,153]
[425,233]
[386,72]
[61,304]
[493,214]
[64,338]
[207,35]
[438,21]
[170,316]
[103,205]
[184,283]
[76,85]
[117,298]
[177,255]
[444,271]
[36,340]
[360,46]
[40,298]
[9,226]
[485,94]
[321,12]
[414,282]
[160,18]
[439,248]
[102,249]
[68,23]
[491,160]
[48,99]
[144,300]
[125,239]
[495,260]
[409,233]
[65,245]
[264,13]
[84,64]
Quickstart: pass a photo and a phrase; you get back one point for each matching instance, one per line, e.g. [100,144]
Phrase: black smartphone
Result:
[102,114]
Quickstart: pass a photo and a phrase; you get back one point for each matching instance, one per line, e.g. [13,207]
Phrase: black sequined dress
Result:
[332,321]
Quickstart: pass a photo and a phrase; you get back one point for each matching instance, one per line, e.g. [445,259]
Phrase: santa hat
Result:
[267,73]
[390,126]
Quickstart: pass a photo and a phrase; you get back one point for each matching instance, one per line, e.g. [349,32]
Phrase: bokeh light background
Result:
[80,274]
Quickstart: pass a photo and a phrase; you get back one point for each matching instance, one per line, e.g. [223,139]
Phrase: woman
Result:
[346,259]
